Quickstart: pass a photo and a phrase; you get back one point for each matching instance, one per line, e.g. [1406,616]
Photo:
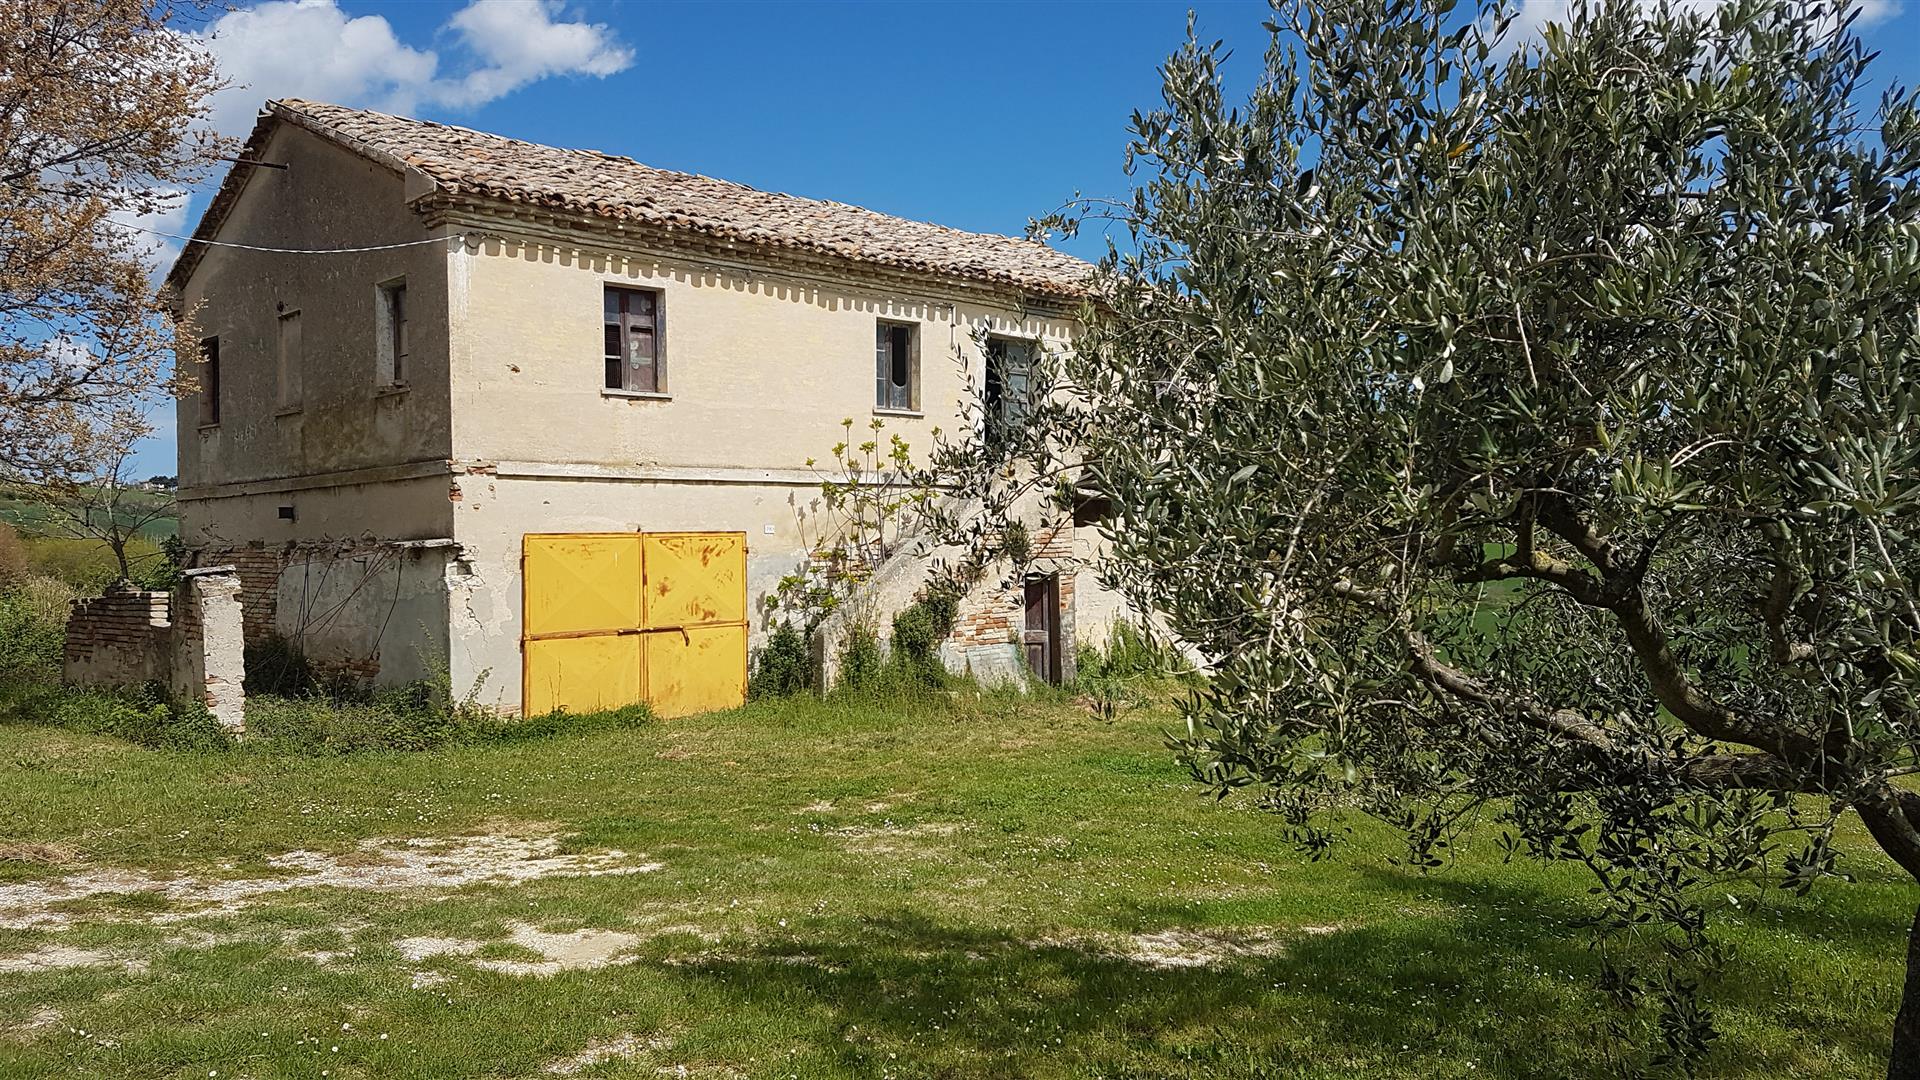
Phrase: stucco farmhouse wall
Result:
[762,367]
[380,526]
[346,417]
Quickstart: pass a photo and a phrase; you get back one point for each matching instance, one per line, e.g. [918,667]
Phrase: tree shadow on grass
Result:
[1461,993]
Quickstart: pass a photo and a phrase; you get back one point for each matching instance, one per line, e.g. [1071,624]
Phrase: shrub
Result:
[164,572]
[15,564]
[918,631]
[142,717]
[785,664]
[33,628]
[860,660]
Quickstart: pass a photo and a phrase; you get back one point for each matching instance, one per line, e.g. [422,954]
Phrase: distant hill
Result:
[31,518]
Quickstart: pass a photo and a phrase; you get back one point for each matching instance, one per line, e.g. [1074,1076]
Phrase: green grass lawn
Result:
[978,888]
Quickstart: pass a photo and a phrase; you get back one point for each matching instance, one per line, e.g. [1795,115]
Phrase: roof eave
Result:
[454,205]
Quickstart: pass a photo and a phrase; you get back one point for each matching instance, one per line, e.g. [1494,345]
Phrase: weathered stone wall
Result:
[189,641]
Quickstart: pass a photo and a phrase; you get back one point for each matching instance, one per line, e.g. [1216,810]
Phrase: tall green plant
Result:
[872,502]
[1530,433]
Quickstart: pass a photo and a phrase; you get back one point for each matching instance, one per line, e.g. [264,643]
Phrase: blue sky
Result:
[978,116]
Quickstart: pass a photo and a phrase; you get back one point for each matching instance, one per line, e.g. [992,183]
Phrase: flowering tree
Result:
[101,121]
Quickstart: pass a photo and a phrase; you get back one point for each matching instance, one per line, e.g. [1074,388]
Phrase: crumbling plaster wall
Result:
[357,577]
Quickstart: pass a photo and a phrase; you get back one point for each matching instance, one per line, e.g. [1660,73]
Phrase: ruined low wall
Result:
[121,638]
[370,609]
[189,641]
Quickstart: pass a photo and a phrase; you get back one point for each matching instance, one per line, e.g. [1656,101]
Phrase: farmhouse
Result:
[538,418]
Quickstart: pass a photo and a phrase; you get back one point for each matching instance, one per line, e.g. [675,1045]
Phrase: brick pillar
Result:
[209,645]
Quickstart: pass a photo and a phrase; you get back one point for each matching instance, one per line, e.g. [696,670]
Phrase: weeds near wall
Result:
[275,664]
[1131,652]
[141,716]
[409,718]
[784,666]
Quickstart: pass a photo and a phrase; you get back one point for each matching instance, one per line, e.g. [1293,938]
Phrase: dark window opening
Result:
[1007,389]
[393,332]
[896,366]
[633,325]
[210,380]
[1090,510]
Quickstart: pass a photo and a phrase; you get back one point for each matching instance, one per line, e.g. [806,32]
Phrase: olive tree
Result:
[1527,432]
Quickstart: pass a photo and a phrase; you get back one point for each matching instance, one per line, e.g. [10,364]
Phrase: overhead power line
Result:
[288,251]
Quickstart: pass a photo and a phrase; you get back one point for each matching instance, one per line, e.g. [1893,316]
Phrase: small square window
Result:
[634,320]
[390,333]
[896,366]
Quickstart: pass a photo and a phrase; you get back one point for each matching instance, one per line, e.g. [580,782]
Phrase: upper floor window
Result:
[896,366]
[390,332]
[210,380]
[633,322]
[1008,389]
[290,360]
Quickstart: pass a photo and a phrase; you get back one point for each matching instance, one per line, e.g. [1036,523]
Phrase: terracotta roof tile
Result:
[469,162]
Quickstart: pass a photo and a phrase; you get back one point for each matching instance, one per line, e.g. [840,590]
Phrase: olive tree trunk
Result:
[1904,1063]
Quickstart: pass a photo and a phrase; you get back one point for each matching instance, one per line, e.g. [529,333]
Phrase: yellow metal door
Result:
[696,619]
[614,618]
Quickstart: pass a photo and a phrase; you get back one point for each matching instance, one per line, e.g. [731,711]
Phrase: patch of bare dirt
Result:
[382,865]
[893,839]
[1177,948]
[66,958]
[619,1048]
[577,950]
[20,851]
[40,1019]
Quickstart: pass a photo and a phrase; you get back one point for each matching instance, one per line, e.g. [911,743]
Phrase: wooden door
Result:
[1042,636]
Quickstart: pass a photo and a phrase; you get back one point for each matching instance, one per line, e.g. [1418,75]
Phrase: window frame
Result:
[885,342]
[657,325]
[998,418]
[392,336]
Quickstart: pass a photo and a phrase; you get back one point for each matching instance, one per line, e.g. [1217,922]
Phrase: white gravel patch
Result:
[382,865]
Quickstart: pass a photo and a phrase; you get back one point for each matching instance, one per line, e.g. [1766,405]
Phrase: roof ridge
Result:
[465,161]
[295,103]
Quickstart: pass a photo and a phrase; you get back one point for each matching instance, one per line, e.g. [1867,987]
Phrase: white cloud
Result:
[158,252]
[69,352]
[520,43]
[312,49]
[1533,16]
